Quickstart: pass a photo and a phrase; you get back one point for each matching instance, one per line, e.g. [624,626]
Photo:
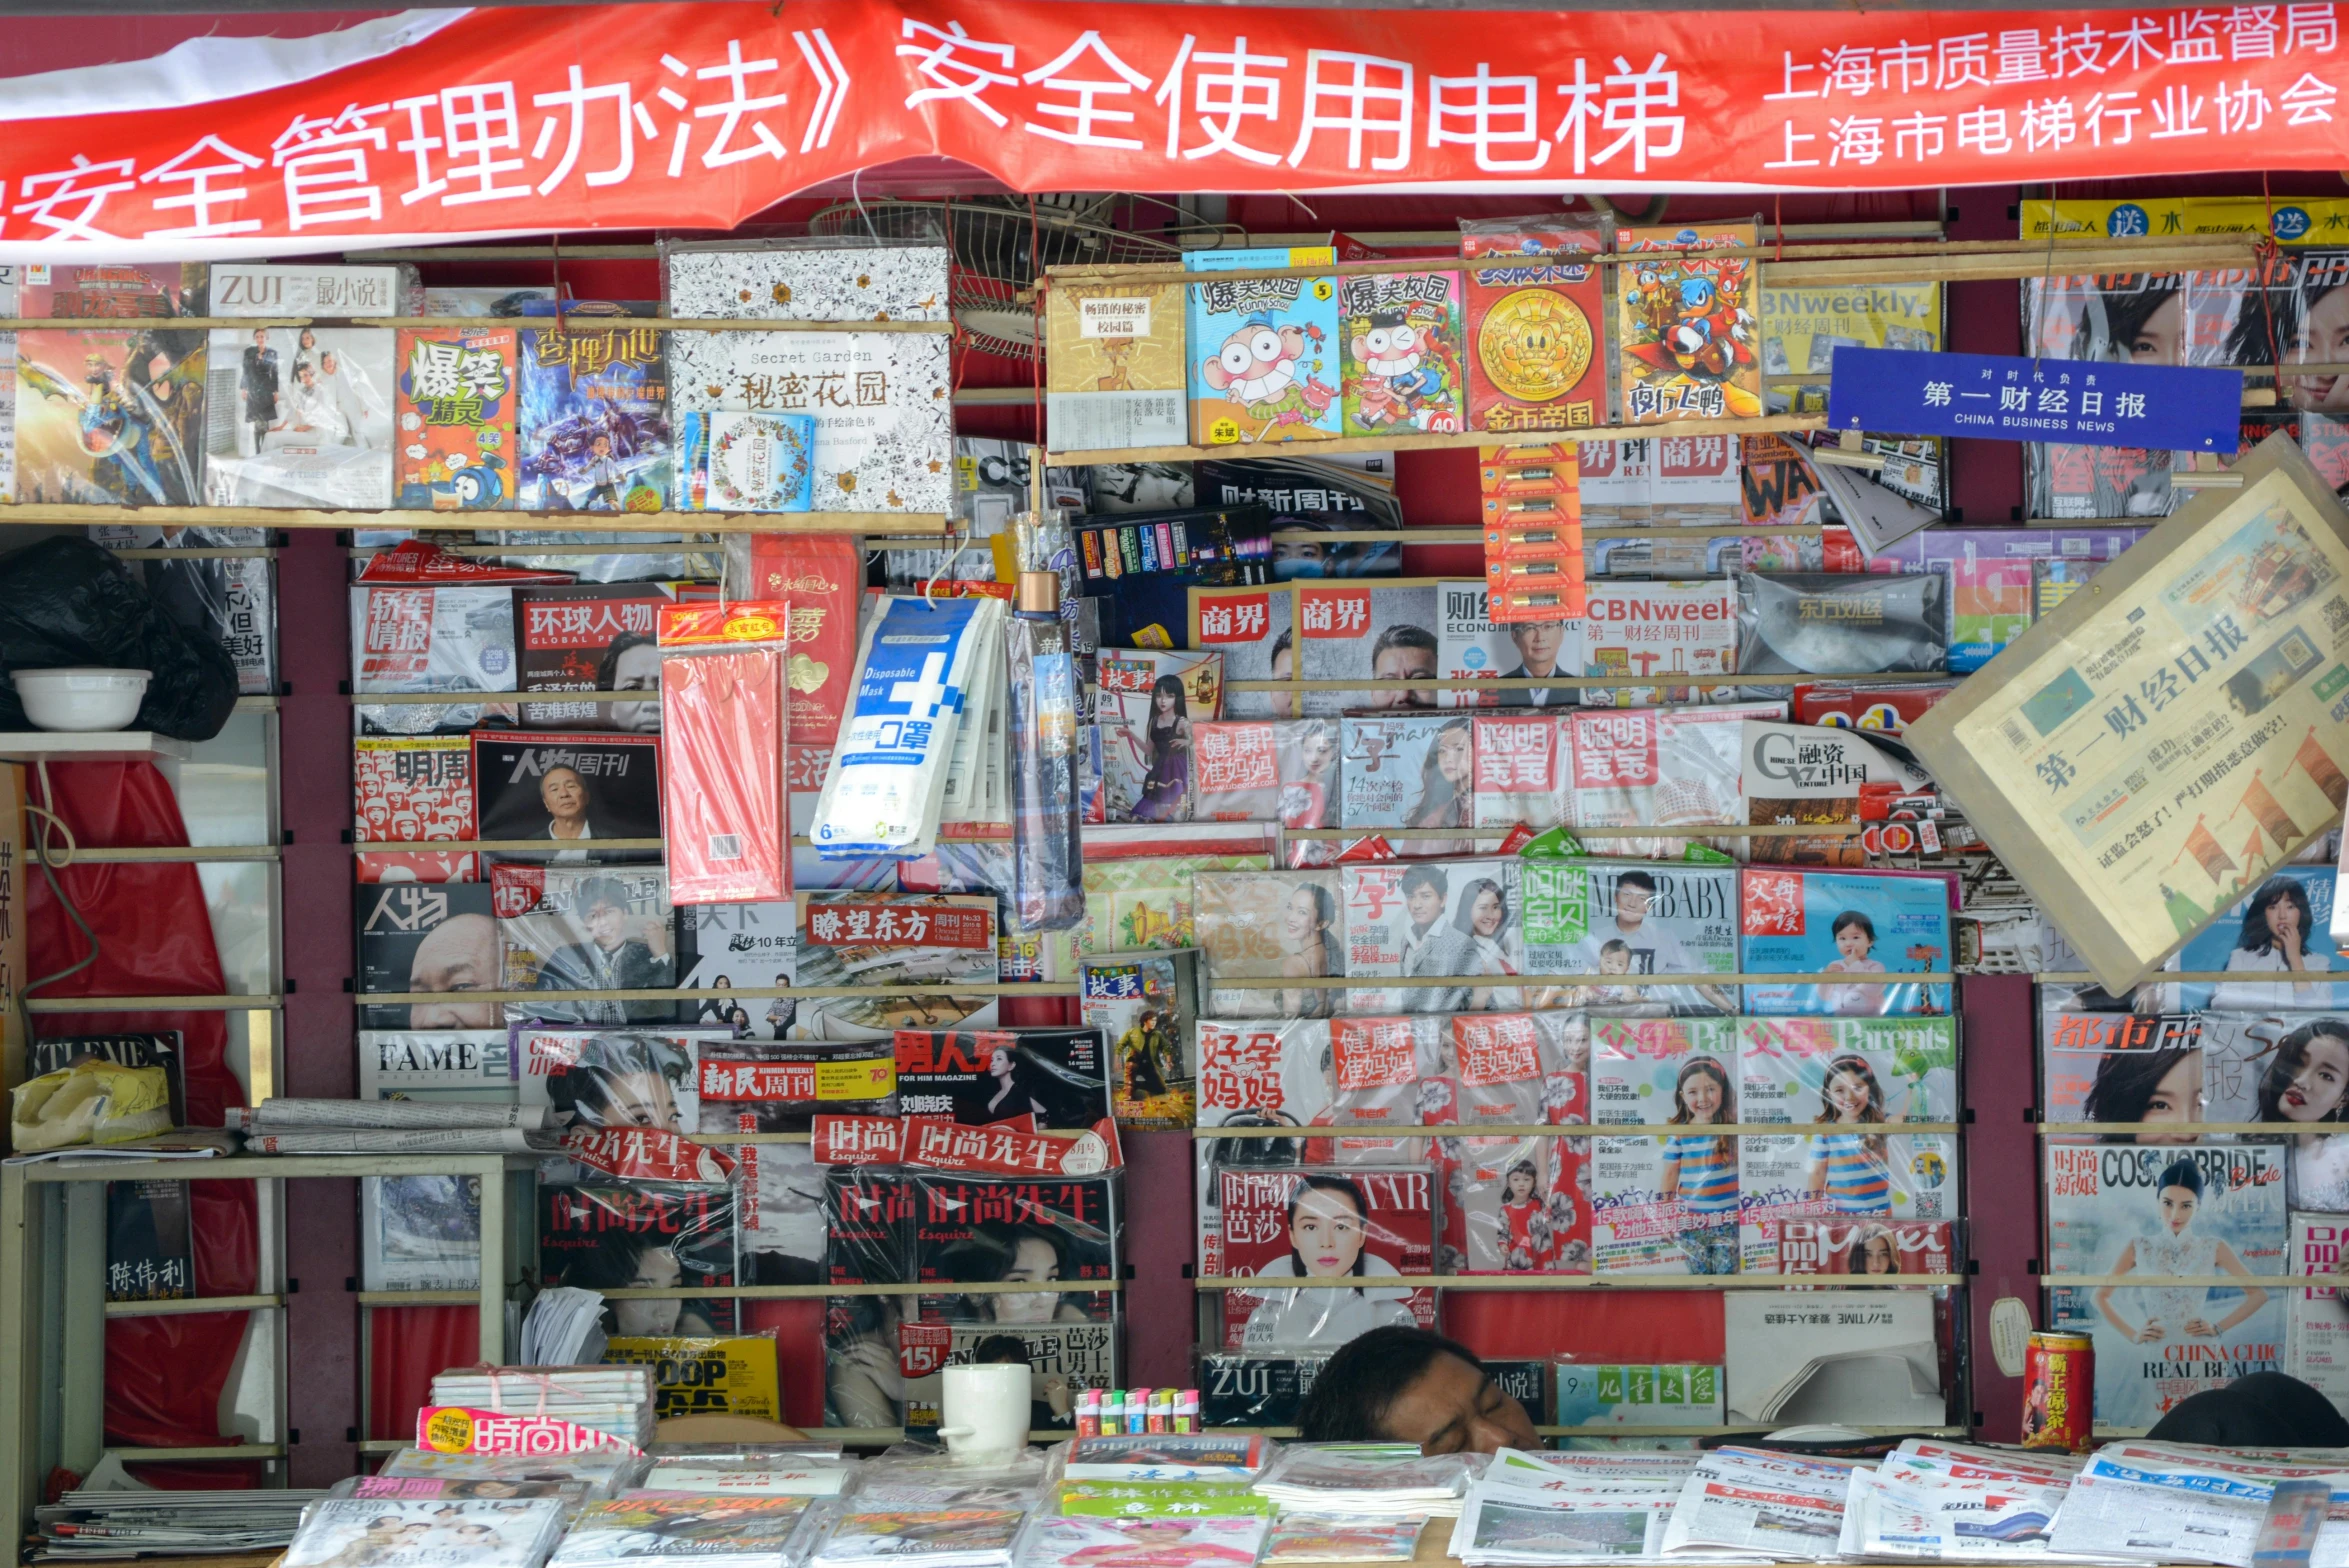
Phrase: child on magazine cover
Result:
[1700,1174]
[1855,941]
[1849,1168]
[1531,1244]
[2177,1252]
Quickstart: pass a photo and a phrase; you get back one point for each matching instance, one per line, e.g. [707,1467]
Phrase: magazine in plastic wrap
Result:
[1664,1204]
[1460,918]
[1610,918]
[661,1235]
[1053,1231]
[1383,632]
[1146,1007]
[1844,924]
[2286,929]
[300,417]
[1475,647]
[1677,631]
[1662,767]
[587,928]
[420,1233]
[1519,1069]
[388,1532]
[2316,1328]
[747,947]
[1319,1223]
[2164,1067]
[589,637]
[437,937]
[1265,1073]
[1266,925]
[907,939]
[1063,1360]
[978,1076]
[1524,769]
[1410,770]
[1245,1390]
[1844,1070]
[2193,1213]
[406,789]
[1283,770]
[1515,1205]
[411,638]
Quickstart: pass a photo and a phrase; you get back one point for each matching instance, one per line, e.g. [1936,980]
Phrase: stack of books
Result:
[615,1400]
[1165,1456]
[1371,1479]
[88,1525]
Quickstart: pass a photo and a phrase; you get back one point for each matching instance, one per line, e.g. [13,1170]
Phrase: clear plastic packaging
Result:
[1047,855]
[726,724]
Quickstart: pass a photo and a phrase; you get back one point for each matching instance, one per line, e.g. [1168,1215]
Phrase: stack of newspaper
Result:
[616,1400]
[1541,1507]
[287,1126]
[934,1538]
[1931,1499]
[85,1525]
[1780,1507]
[1369,1479]
[2179,1502]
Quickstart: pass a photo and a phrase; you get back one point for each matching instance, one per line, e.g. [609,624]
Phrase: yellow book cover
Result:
[699,1376]
[1113,366]
[1691,341]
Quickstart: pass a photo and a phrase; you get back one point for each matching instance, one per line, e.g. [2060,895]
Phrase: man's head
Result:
[1424,891]
[1538,643]
[1403,652]
[458,955]
[1407,1385]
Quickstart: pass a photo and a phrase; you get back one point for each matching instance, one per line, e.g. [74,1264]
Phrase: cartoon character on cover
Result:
[1696,330]
[1259,368]
[2175,1250]
[1848,1168]
[1404,371]
[1700,1173]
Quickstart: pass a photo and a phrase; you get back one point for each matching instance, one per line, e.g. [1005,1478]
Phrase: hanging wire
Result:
[46,824]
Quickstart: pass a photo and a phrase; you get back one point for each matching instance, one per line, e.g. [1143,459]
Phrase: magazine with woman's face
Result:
[1276,770]
[1845,927]
[1322,1222]
[2176,1071]
[643,1235]
[2172,1215]
[2279,939]
[1515,1205]
[1261,925]
[1409,771]
[1014,1230]
[1433,919]
[383,1532]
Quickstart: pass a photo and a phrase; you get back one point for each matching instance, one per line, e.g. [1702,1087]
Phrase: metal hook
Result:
[962,541]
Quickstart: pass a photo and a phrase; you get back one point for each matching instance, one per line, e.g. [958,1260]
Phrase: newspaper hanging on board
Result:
[2145,754]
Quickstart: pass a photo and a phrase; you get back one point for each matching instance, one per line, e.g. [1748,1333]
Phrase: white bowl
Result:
[82,698]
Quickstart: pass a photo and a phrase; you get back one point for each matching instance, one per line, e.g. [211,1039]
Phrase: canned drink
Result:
[2059,1386]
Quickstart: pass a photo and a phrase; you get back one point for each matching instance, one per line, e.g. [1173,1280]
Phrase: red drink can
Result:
[2059,1384]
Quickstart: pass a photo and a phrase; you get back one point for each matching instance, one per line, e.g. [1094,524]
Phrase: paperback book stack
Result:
[1367,1479]
[84,1525]
[376,1532]
[1165,1456]
[616,1400]
[723,1532]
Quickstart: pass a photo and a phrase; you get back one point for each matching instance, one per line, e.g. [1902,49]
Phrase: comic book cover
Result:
[1409,770]
[2170,1067]
[1524,769]
[1829,1071]
[1279,770]
[1251,628]
[1802,328]
[1265,925]
[592,428]
[1663,767]
[455,417]
[2173,1213]
[300,417]
[1536,317]
[1515,1205]
[601,1236]
[587,928]
[1146,1006]
[978,1077]
[1113,358]
[1844,923]
[110,418]
[1063,1359]
[1690,336]
[1459,918]
[407,638]
[590,637]
[419,936]
[1632,918]
[1672,631]
[1005,1229]
[1319,1221]
[1471,646]
[409,788]
[884,440]
[1401,356]
[1384,632]
[910,939]
[1664,1204]
[564,788]
[2316,1327]
[1264,354]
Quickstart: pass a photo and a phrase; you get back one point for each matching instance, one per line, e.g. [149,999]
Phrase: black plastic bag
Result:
[66,601]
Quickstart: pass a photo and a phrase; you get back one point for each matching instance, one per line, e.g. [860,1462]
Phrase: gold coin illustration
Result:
[1534,345]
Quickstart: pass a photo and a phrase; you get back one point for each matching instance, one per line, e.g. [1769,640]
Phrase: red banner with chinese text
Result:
[699,115]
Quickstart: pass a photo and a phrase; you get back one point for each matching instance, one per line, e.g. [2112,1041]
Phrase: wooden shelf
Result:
[573,522]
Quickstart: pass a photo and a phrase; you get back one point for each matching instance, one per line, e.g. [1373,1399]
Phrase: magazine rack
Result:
[53,1307]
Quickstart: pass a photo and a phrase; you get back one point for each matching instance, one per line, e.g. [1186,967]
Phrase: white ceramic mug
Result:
[985,1411]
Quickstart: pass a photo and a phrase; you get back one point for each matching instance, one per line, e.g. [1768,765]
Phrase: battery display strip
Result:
[1532,512]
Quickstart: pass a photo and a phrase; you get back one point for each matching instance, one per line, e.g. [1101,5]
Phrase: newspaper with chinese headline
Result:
[2170,1503]
[2147,752]
[1745,1500]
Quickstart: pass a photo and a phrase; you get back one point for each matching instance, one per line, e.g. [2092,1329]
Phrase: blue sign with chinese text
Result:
[2000,397]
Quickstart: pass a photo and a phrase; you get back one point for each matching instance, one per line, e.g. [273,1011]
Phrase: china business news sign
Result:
[443,124]
[2003,397]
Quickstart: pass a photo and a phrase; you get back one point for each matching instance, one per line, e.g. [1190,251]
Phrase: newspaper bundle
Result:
[1778,1506]
[1932,1500]
[2172,1502]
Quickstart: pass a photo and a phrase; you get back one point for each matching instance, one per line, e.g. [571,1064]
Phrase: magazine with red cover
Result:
[1013,1230]
[1521,1069]
[406,789]
[589,637]
[1320,1221]
[1515,1205]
